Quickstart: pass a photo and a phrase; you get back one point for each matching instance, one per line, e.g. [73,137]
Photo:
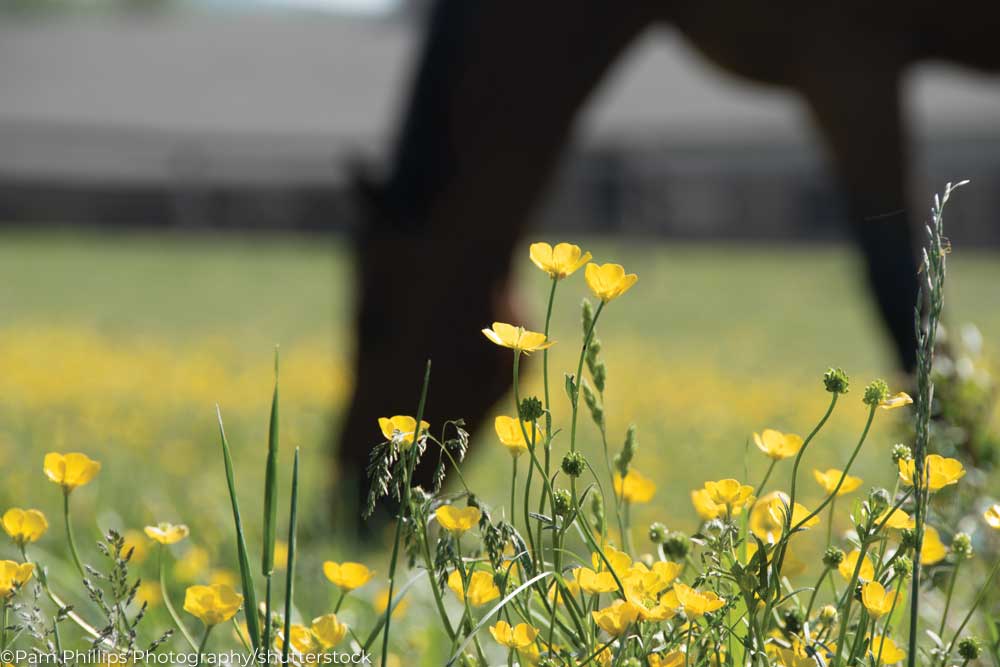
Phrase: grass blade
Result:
[271,481]
[290,565]
[249,595]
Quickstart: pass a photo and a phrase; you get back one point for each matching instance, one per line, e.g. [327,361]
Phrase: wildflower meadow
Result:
[855,521]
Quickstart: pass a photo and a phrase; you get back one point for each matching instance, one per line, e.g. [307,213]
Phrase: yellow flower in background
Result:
[896,401]
[939,472]
[70,470]
[672,659]
[347,576]
[894,518]
[891,654]
[649,606]
[280,554]
[616,618]
[137,542]
[167,533]
[789,657]
[13,575]
[706,508]
[730,493]
[767,518]
[933,549]
[653,580]
[846,567]
[829,480]
[696,603]
[879,601]
[457,520]
[594,582]
[519,637]
[571,586]
[24,526]
[328,630]
[150,593]
[192,564]
[558,262]
[992,516]
[299,637]
[511,436]
[609,281]
[212,604]
[777,445]
[223,576]
[635,488]
[482,589]
[381,603]
[517,338]
[401,429]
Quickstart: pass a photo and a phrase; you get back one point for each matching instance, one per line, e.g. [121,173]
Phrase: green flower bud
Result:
[961,545]
[676,545]
[969,648]
[469,660]
[587,312]
[836,381]
[573,464]
[600,375]
[901,452]
[631,662]
[876,392]
[878,500]
[657,533]
[590,398]
[908,538]
[793,620]
[833,557]
[828,615]
[531,409]
[624,458]
[597,509]
[562,502]
[903,566]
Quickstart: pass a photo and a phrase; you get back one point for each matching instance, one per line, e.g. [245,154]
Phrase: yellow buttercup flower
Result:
[212,604]
[616,618]
[879,601]
[992,516]
[696,603]
[894,518]
[571,586]
[730,493]
[594,582]
[609,281]
[150,593]
[509,431]
[635,488]
[560,261]
[457,520]
[939,472]
[829,480]
[519,637]
[381,603]
[654,580]
[347,576]
[13,575]
[70,470]
[767,518]
[789,657]
[650,606]
[482,588]
[192,565]
[706,508]
[401,429]
[933,549]
[619,560]
[328,630]
[517,338]
[891,654]
[672,659]
[776,444]
[896,401]
[846,567]
[299,637]
[167,533]
[24,526]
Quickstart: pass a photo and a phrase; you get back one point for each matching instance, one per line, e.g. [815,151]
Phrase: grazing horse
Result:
[496,90]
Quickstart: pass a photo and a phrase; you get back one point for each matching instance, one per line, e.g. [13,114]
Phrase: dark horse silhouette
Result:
[498,85]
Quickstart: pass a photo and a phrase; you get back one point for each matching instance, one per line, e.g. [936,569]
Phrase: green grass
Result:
[119,346]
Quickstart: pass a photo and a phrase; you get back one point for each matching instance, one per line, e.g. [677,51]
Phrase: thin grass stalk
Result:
[293,516]
[270,509]
[249,594]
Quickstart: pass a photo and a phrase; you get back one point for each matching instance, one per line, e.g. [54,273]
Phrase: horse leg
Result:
[495,93]
[859,114]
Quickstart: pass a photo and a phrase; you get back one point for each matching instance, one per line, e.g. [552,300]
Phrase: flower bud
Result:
[676,545]
[469,660]
[901,452]
[969,648]
[562,501]
[878,500]
[600,375]
[715,528]
[531,409]
[597,509]
[590,398]
[657,533]
[573,464]
[631,662]
[624,458]
[587,316]
[961,545]
[828,615]
[876,392]
[836,381]
[908,538]
[903,567]
[833,557]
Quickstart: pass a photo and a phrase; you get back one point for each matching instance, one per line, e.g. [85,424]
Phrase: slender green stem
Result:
[577,379]
[829,525]
[819,584]
[204,642]
[267,620]
[340,600]
[849,599]
[947,601]
[435,589]
[3,631]
[165,594]
[69,534]
[767,476]
[293,520]
[404,506]
[972,609]
[545,382]
[513,491]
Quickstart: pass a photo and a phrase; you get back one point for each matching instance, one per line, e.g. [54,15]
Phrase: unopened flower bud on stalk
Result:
[676,546]
[828,615]
[876,392]
[969,648]
[833,557]
[836,381]
[573,464]
[562,501]
[961,545]
[531,409]
[901,452]
[657,533]
[878,500]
